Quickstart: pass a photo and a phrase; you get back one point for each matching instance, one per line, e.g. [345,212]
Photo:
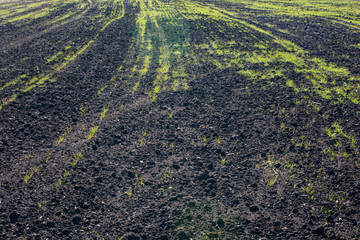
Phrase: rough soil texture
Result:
[92,150]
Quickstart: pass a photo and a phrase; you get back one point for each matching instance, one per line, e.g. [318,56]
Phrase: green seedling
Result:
[93,130]
[223,159]
[139,180]
[217,140]
[129,192]
[61,182]
[166,174]
[61,139]
[48,157]
[83,110]
[135,87]
[66,173]
[204,139]
[310,189]
[76,158]
[353,142]
[142,141]
[272,180]
[103,113]
[28,177]
[338,128]
[101,90]
[171,114]
[338,144]
[186,86]
[175,85]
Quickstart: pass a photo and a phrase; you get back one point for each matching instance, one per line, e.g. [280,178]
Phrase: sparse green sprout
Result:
[93,130]
[83,110]
[139,180]
[142,141]
[338,128]
[28,176]
[101,90]
[309,189]
[331,196]
[61,139]
[129,192]
[167,173]
[338,144]
[330,133]
[204,139]
[157,90]
[223,159]
[171,114]
[103,113]
[48,157]
[186,86]
[272,180]
[135,87]
[217,140]
[353,142]
[76,158]
[175,85]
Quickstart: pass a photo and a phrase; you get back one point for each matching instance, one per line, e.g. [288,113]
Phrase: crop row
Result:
[54,63]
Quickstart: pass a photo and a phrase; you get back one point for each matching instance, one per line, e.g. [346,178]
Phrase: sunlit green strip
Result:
[44,8]
[40,80]
[322,75]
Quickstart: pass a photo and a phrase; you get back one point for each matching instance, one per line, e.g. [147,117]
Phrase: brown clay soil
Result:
[225,157]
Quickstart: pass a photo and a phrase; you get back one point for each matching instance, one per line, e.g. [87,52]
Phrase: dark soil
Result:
[149,175]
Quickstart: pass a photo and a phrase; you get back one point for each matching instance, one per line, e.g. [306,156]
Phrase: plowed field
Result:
[179,119]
